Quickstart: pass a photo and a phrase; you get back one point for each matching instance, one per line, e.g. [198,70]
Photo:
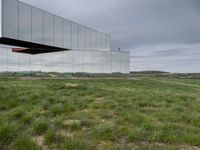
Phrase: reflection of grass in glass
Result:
[144,113]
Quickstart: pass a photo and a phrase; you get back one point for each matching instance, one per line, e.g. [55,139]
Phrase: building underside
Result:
[29,47]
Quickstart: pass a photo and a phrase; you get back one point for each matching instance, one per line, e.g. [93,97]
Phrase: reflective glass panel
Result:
[48,29]
[81,37]
[97,62]
[77,60]
[25,62]
[99,41]
[3,59]
[107,62]
[37,25]
[103,41]
[47,62]
[107,42]
[88,61]
[67,36]
[125,62]
[13,61]
[24,22]
[36,63]
[88,39]
[58,31]
[10,18]
[68,61]
[116,62]
[58,62]
[74,36]
[93,40]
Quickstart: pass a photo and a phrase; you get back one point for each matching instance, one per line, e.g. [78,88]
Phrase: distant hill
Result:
[149,72]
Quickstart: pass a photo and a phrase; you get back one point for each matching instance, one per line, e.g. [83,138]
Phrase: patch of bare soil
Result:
[40,141]
[71,85]
[70,122]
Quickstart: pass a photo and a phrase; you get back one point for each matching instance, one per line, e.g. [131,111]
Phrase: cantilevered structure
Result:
[39,32]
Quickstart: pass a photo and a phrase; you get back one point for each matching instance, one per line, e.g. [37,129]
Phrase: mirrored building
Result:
[49,43]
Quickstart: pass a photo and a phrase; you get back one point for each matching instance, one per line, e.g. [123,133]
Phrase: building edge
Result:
[1,17]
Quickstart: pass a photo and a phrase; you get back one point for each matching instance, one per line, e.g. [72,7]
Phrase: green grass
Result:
[8,132]
[138,112]
[40,126]
[25,143]
[52,137]
[76,144]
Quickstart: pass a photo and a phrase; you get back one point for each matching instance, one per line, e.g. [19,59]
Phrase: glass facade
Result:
[89,50]
[65,61]
[27,23]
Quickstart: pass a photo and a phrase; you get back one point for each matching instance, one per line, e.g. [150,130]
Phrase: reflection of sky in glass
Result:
[30,24]
[37,25]
[10,20]
[48,29]
[24,22]
[66,61]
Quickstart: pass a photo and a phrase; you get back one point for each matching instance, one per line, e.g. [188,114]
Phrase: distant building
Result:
[46,42]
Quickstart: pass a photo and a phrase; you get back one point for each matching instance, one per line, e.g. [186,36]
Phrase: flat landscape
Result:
[135,112]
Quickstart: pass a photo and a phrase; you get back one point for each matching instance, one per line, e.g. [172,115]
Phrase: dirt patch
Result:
[64,133]
[187,147]
[40,141]
[71,85]
[99,98]
[70,122]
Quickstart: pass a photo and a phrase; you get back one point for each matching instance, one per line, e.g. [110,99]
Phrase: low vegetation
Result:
[146,112]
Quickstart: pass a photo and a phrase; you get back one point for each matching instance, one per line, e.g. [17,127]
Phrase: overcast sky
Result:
[161,34]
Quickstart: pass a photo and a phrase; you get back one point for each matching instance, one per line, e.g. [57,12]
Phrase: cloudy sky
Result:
[161,34]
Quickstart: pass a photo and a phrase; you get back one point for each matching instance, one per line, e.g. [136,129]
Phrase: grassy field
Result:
[142,112]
